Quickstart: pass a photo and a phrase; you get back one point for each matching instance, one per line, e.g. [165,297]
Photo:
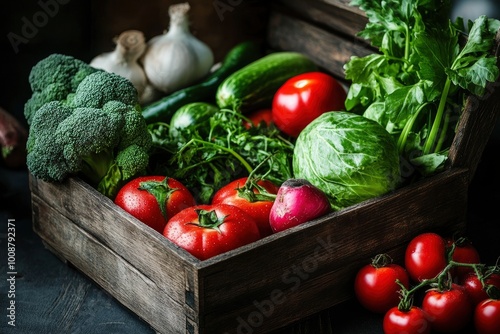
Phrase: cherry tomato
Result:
[449,310]
[474,289]
[425,256]
[303,98]
[234,194]
[375,284]
[413,321]
[261,116]
[487,317]
[209,230]
[464,252]
[154,199]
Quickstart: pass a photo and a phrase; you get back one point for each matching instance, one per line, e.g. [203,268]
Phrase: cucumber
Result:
[254,85]
[239,56]
[195,115]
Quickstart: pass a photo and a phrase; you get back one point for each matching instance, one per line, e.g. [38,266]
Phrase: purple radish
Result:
[297,202]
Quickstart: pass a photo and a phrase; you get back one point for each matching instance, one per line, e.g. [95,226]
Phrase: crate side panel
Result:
[145,249]
[109,270]
[334,15]
[312,260]
[328,50]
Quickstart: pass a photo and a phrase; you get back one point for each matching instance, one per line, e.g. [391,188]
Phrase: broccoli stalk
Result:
[97,165]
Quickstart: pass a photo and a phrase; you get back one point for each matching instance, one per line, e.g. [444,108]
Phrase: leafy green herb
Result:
[415,85]
[204,163]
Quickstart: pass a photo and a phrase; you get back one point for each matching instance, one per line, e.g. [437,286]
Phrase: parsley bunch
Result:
[204,161]
[426,66]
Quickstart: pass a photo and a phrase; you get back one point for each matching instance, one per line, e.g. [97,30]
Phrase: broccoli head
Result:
[101,87]
[53,79]
[104,139]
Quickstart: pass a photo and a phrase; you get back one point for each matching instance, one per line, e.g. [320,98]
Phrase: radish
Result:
[297,202]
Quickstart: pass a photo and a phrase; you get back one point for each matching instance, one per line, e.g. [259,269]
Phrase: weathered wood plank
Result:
[109,270]
[328,50]
[319,254]
[169,267]
[335,15]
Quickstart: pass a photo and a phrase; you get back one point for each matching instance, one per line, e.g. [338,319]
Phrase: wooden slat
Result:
[328,50]
[353,235]
[336,15]
[108,269]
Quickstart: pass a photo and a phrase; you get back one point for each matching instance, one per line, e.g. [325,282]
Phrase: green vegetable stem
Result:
[425,68]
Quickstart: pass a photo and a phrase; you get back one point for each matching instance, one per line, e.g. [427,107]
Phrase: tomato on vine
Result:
[463,251]
[376,286]
[425,256]
[487,317]
[412,321]
[449,309]
[474,287]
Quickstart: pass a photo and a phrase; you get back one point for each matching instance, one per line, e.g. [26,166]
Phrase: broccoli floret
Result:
[89,136]
[45,157]
[52,79]
[101,87]
[103,140]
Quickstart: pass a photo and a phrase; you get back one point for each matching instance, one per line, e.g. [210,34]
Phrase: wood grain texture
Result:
[334,15]
[328,50]
[77,206]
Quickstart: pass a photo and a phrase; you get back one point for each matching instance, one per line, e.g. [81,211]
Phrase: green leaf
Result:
[404,102]
[435,52]
[475,77]
[430,163]
[474,67]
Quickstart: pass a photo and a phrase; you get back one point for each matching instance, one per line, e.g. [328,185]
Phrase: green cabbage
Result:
[349,157]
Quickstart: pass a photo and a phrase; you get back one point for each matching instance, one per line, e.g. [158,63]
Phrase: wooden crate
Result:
[282,278]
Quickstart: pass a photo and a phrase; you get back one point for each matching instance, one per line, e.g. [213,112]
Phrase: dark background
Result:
[52,297]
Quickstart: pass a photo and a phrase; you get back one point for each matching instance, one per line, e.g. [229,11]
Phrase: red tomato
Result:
[449,310]
[154,199]
[303,98]
[487,317]
[425,256]
[259,210]
[414,321]
[376,288]
[464,252]
[474,289]
[209,230]
[257,117]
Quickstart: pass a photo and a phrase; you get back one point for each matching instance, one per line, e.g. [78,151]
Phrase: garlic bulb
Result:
[124,60]
[176,59]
